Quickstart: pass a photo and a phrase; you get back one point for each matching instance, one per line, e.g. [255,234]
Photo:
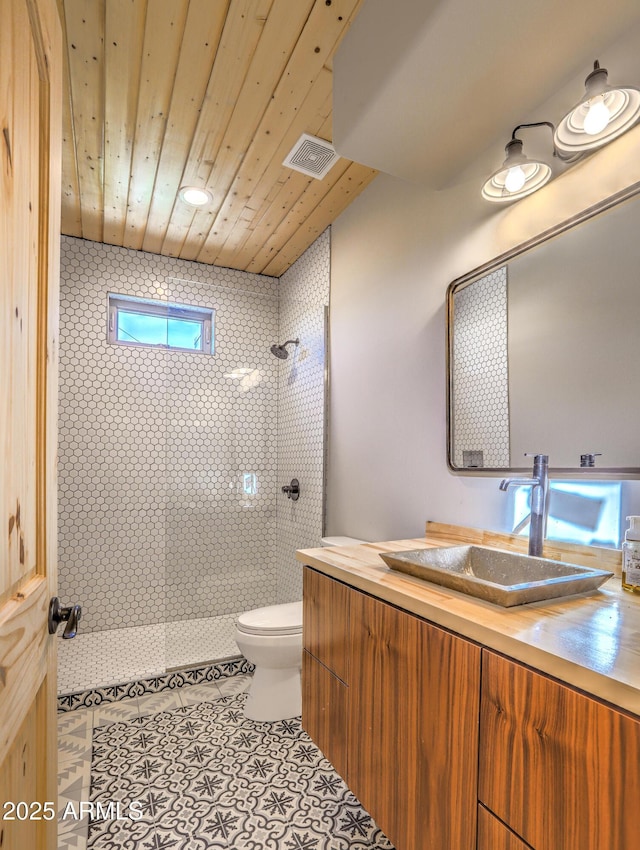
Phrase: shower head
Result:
[280,351]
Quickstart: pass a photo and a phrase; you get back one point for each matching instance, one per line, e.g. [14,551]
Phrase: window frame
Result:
[205,316]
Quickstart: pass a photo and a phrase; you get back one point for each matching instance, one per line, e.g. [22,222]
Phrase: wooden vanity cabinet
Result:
[326,621]
[494,835]
[560,768]
[409,695]
[446,743]
[325,665]
[324,711]
[413,727]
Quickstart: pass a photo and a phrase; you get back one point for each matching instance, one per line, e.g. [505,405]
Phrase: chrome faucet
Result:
[539,483]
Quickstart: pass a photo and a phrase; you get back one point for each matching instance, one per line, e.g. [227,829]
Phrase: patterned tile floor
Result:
[97,659]
[205,777]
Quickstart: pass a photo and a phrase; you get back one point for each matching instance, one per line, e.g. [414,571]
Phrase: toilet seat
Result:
[273,620]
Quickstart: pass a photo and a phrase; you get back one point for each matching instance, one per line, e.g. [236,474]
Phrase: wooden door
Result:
[30,113]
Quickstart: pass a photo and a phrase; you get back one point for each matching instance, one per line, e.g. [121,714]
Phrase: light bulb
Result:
[515,179]
[597,117]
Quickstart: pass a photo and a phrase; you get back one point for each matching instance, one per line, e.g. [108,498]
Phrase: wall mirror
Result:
[544,350]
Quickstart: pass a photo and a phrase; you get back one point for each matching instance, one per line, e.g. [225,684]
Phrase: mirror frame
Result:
[479,272]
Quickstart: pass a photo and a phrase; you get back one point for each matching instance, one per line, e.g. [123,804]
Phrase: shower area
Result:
[171,462]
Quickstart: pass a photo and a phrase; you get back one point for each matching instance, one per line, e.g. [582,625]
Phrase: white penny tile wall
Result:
[481,373]
[304,293]
[157,523]
[154,444]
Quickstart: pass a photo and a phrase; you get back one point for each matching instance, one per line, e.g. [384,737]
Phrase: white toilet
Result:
[271,638]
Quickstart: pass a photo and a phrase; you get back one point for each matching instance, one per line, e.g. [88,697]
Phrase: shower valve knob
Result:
[292,490]
[70,616]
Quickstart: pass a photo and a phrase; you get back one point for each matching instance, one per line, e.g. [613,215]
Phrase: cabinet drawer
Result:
[560,768]
[494,835]
[324,711]
[326,621]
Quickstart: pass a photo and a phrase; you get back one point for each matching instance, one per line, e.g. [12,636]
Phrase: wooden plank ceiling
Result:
[212,93]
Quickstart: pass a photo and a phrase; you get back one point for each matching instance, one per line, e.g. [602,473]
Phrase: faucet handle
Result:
[540,466]
[538,460]
[589,460]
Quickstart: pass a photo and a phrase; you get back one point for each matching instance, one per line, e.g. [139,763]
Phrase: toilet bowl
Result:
[271,638]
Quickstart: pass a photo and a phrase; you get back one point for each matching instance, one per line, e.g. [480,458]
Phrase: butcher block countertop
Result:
[590,641]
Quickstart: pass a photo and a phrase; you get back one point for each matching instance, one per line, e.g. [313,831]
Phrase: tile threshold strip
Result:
[168,681]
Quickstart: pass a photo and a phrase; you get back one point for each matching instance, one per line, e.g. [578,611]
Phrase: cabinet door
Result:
[494,835]
[560,768]
[324,711]
[326,621]
[413,727]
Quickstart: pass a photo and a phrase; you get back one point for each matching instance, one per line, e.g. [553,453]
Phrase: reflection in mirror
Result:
[480,374]
[586,512]
[543,351]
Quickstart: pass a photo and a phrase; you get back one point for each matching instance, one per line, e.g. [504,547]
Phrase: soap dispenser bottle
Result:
[631,556]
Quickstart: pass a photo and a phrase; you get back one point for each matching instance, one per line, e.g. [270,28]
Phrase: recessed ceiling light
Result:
[194,196]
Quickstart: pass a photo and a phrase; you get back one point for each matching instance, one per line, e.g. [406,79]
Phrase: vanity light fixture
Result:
[603,113]
[194,196]
[518,175]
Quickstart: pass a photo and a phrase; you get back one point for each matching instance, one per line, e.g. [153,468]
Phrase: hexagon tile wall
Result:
[169,475]
[481,373]
[304,292]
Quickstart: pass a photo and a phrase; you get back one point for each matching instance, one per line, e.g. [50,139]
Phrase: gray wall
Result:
[394,252]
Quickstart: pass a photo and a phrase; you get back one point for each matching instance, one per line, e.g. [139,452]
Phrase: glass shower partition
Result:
[221,467]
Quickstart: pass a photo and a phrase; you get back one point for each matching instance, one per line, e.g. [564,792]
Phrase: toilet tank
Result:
[342,541]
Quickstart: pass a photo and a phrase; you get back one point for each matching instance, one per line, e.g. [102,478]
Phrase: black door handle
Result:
[58,614]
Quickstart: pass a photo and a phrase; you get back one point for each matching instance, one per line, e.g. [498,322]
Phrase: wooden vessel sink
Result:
[504,578]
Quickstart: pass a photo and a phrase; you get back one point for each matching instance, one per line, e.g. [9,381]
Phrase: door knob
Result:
[58,614]
[292,490]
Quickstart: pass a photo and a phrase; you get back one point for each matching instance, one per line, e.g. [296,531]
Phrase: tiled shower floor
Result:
[95,659]
[205,777]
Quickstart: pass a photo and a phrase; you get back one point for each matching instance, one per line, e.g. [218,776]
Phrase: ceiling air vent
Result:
[312,156]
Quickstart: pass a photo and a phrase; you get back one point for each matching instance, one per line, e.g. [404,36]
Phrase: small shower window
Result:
[145,323]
